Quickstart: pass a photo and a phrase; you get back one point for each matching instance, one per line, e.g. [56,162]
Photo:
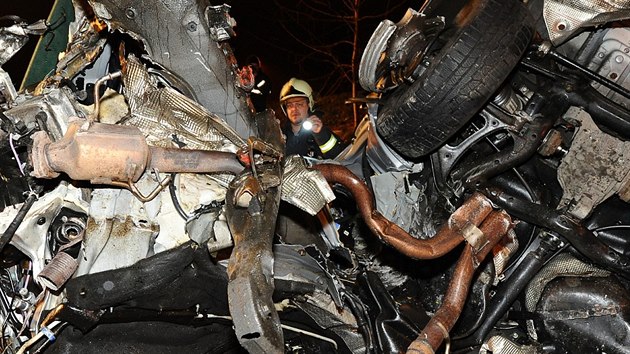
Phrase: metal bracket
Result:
[138,194]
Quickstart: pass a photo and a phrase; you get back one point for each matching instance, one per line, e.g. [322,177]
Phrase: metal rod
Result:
[97,94]
[581,238]
[561,59]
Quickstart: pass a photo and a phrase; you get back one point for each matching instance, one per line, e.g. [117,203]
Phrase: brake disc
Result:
[395,51]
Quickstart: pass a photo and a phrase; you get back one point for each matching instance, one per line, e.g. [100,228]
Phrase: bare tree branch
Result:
[331,34]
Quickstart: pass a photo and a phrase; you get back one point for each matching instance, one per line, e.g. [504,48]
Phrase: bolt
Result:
[600,55]
[41,221]
[130,12]
[619,59]
[191,26]
[562,26]
[613,75]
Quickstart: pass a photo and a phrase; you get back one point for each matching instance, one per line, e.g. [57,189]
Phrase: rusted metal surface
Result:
[496,225]
[551,144]
[503,251]
[595,167]
[109,153]
[58,271]
[193,161]
[250,269]
[465,219]
[65,263]
[475,221]
[101,154]
[251,207]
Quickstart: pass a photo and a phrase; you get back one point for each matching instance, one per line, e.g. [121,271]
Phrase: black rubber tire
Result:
[490,39]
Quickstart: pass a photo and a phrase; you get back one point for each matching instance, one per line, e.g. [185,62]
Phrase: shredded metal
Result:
[167,117]
[304,188]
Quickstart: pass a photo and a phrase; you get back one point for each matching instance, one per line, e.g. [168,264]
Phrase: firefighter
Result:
[305,133]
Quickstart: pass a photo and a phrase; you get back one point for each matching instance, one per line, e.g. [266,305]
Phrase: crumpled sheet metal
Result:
[596,167]
[55,105]
[501,345]
[160,112]
[119,221]
[7,90]
[564,17]
[563,265]
[409,210]
[177,35]
[304,188]
[12,39]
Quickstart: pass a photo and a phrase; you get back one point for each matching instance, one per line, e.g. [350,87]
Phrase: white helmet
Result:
[297,88]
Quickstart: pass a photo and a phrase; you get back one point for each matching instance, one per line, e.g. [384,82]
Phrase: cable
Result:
[363,323]
[9,314]
[284,326]
[314,335]
[15,154]
[55,334]
[611,227]
[564,61]
[172,191]
[44,331]
[17,220]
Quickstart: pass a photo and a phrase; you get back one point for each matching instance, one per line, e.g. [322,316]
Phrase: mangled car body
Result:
[481,207]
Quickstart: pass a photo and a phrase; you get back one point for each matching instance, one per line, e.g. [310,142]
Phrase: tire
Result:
[488,42]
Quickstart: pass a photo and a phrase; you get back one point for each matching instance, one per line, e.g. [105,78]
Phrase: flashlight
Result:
[307,125]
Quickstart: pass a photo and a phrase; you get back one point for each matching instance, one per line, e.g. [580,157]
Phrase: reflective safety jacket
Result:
[324,144]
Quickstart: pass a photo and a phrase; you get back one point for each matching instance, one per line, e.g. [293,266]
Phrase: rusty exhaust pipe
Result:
[193,161]
[111,153]
[461,225]
[494,228]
